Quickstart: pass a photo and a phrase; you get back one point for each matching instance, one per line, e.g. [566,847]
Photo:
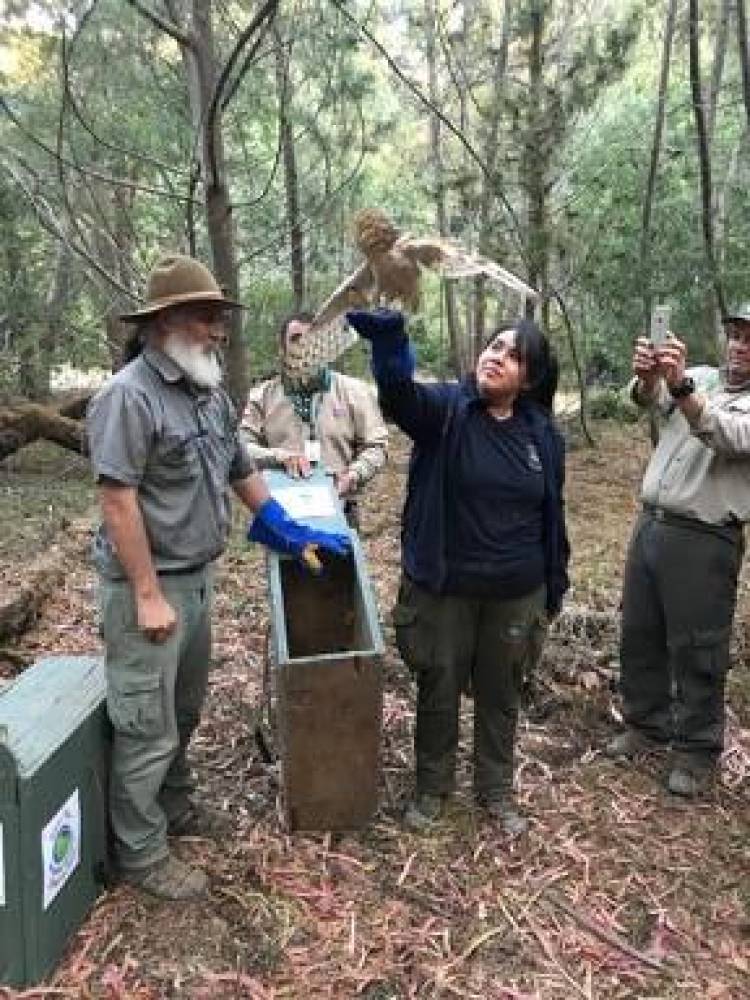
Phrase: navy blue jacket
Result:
[433,416]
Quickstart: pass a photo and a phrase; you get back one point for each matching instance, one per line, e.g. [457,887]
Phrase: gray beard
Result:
[201,366]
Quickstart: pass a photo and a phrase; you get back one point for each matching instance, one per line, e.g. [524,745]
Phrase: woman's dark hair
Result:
[303,316]
[542,367]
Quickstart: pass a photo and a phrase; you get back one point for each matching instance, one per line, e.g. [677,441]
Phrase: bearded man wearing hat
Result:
[685,553]
[164,445]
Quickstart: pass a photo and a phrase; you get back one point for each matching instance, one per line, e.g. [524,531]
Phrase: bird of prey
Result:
[391,275]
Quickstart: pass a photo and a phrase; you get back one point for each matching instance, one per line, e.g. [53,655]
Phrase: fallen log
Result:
[24,423]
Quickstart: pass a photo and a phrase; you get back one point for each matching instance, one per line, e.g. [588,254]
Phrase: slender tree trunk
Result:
[703,153]
[200,61]
[490,180]
[648,199]
[717,68]
[459,360]
[288,153]
[52,334]
[742,44]
[536,161]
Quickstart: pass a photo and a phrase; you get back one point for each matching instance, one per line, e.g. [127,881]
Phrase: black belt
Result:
[181,570]
[732,531]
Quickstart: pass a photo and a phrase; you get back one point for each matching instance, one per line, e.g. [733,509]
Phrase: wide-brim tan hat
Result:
[178,280]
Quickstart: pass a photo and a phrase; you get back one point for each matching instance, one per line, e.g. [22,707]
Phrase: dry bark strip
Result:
[22,600]
[603,933]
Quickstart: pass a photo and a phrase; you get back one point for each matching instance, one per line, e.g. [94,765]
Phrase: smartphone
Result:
[660,324]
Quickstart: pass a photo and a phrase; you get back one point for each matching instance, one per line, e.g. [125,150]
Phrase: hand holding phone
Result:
[660,317]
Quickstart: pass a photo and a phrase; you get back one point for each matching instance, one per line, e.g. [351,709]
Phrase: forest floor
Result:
[617,890]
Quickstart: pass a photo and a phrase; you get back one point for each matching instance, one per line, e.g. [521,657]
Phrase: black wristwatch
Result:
[686,387]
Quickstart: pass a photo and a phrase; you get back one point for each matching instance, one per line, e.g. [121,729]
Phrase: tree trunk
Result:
[458,357]
[491,180]
[52,330]
[536,162]
[742,44]
[291,186]
[717,69]
[656,144]
[703,154]
[200,62]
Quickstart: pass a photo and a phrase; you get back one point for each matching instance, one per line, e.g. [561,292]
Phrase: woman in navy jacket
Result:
[485,549]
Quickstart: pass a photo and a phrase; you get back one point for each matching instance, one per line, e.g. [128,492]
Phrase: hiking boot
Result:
[691,779]
[627,745]
[200,820]
[423,813]
[504,813]
[168,879]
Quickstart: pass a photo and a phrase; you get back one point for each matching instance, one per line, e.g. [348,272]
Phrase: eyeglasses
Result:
[208,313]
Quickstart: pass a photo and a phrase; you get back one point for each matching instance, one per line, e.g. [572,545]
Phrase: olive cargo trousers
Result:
[679,595]
[455,644]
[155,692]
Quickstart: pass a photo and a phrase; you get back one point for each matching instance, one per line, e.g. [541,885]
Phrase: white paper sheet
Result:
[305,501]
[61,847]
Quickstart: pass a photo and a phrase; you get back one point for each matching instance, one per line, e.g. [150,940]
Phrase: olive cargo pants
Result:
[155,692]
[453,644]
[679,594]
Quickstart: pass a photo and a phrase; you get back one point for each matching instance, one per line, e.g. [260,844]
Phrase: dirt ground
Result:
[617,890]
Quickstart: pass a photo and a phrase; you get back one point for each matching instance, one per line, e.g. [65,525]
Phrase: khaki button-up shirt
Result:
[346,421]
[179,446]
[702,470]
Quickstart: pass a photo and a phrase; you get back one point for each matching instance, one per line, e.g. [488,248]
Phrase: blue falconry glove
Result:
[392,354]
[274,528]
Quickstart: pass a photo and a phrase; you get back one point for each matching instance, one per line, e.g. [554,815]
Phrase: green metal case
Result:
[54,740]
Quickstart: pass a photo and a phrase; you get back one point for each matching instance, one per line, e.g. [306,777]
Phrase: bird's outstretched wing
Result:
[353,293]
[315,348]
[452,261]
[328,335]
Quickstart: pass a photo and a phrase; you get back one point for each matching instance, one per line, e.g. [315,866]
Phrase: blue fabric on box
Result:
[392,354]
[273,527]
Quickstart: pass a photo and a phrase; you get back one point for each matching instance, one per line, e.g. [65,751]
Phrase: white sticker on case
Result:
[61,847]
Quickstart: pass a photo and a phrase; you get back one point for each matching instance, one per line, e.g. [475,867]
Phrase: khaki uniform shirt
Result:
[179,446]
[346,421]
[702,470]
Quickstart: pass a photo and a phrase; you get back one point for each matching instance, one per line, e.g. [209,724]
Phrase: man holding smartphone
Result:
[685,554]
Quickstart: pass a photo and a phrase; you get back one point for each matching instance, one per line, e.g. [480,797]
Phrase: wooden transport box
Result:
[326,665]
[54,739]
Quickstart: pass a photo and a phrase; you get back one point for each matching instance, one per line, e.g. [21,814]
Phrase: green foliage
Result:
[611,404]
[361,138]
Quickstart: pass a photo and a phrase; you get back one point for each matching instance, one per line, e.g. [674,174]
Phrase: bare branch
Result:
[87,171]
[260,24]
[183,39]
[48,220]
[339,5]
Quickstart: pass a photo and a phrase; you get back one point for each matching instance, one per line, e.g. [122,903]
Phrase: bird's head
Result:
[373,231]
